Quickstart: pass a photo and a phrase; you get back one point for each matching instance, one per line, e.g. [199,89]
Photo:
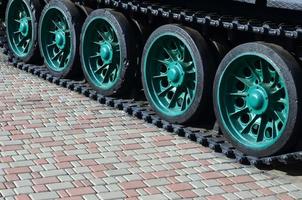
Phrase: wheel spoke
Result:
[17,32]
[249,124]
[243,110]
[174,97]
[95,56]
[165,91]
[26,46]
[100,68]
[21,42]
[189,94]
[278,114]
[107,74]
[188,64]
[160,76]
[52,44]
[170,54]
[277,93]
[56,24]
[65,55]
[244,81]
[57,55]
[184,102]
[274,134]
[238,94]
[103,35]
[252,70]
[260,132]
[165,62]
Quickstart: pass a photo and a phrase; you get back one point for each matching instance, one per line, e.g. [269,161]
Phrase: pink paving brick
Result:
[211,175]
[46,180]
[187,194]
[22,197]
[40,188]
[17,170]
[152,190]
[131,146]
[80,191]
[131,193]
[242,179]
[179,187]
[132,185]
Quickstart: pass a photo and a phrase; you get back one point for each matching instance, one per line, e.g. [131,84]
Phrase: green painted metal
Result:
[170,74]
[56,41]
[19,28]
[101,53]
[253,100]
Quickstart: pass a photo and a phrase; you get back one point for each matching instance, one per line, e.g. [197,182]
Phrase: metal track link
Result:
[207,19]
[142,110]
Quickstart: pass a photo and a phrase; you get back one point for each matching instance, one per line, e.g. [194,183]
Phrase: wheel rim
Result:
[253,101]
[101,54]
[19,27]
[170,75]
[56,39]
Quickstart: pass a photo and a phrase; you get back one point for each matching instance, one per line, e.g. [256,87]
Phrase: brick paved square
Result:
[55,143]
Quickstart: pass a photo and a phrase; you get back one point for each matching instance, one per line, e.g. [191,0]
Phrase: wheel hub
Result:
[175,74]
[106,53]
[60,39]
[257,99]
[24,27]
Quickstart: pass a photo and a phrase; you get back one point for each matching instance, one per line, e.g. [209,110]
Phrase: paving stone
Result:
[156,182]
[57,143]
[44,195]
[60,186]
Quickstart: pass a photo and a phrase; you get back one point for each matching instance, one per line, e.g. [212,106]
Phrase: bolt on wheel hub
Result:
[106,52]
[60,39]
[175,74]
[257,99]
[24,27]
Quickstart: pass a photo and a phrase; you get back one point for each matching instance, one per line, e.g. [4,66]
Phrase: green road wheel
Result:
[59,33]
[107,52]
[176,73]
[21,21]
[257,98]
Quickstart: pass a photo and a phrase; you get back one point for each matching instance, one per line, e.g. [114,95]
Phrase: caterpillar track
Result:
[208,23]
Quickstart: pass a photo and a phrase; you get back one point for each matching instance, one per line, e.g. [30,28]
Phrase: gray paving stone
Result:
[296,194]
[23,190]
[112,195]
[113,187]
[44,195]
[100,189]
[56,172]
[245,195]
[117,172]
[59,186]
[23,183]
[214,190]
[230,196]
[201,192]
[156,182]
[91,197]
